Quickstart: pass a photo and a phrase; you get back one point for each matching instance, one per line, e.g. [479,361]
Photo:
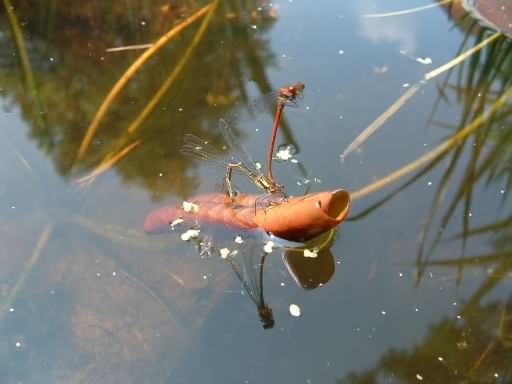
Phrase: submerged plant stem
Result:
[437,151]
[29,266]
[91,130]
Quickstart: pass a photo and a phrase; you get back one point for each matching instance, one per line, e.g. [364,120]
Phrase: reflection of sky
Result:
[394,30]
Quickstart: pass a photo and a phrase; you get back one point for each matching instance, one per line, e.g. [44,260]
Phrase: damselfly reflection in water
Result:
[241,161]
[248,267]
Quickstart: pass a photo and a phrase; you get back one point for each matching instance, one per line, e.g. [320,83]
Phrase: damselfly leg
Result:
[240,160]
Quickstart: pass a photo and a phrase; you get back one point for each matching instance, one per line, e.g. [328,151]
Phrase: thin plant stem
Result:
[129,73]
[25,61]
[407,11]
[377,123]
[434,153]
[461,57]
[104,166]
[177,69]
[395,107]
[150,106]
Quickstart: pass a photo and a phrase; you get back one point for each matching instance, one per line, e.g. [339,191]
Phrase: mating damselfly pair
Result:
[200,149]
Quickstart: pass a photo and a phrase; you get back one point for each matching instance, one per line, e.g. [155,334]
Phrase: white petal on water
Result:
[189,206]
[190,234]
[295,310]
[176,222]
[224,253]
[239,240]
[269,245]
[284,154]
[311,252]
[424,60]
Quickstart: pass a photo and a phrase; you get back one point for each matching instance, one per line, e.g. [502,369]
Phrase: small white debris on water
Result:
[502,191]
[160,174]
[224,253]
[440,358]
[380,70]
[114,273]
[239,240]
[406,85]
[383,313]
[282,284]
[341,52]
[424,60]
[496,375]
[470,214]
[269,245]
[311,252]
[294,161]
[419,377]
[400,274]
[294,310]
[190,234]
[176,222]
[416,309]
[284,154]
[429,183]
[189,206]
[11,309]
[257,165]
[454,303]
[254,26]
[18,344]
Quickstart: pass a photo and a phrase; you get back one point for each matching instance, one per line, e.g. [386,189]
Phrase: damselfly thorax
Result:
[199,149]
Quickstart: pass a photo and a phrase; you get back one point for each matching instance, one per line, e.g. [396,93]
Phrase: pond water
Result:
[415,286]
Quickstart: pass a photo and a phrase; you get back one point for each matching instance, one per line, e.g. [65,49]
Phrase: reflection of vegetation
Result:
[488,76]
[484,87]
[474,347]
[63,74]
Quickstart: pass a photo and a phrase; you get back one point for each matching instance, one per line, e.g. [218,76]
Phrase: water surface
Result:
[416,286]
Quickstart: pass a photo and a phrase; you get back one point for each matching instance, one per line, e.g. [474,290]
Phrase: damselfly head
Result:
[296,88]
[290,93]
